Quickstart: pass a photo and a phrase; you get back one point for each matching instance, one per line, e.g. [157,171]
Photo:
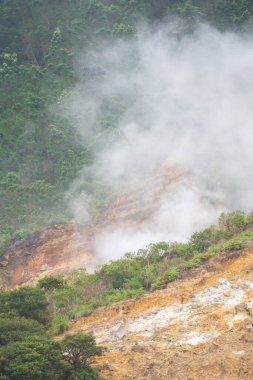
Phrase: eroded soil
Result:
[200,327]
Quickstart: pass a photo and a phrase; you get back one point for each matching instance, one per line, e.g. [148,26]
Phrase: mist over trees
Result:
[40,149]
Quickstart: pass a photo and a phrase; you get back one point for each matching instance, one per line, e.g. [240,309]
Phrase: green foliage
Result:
[200,241]
[149,268]
[51,283]
[26,302]
[40,150]
[180,249]
[170,275]
[235,221]
[27,352]
[14,329]
[8,64]
[120,272]
[196,260]
[152,267]
[80,349]
[122,30]
[25,346]
[36,358]
[190,12]
[58,57]
[41,154]
[233,245]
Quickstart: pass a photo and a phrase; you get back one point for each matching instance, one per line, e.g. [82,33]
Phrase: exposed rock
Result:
[138,348]
[208,336]
[241,307]
[248,337]
[62,248]
[250,308]
[223,281]
[118,332]
[108,365]
[227,293]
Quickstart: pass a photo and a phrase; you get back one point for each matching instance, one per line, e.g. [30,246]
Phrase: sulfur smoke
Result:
[184,100]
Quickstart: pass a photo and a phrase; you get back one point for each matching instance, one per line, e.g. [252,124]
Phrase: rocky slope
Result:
[62,248]
[199,327]
[58,249]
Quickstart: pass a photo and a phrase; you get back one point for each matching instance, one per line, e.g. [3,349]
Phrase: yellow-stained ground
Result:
[200,327]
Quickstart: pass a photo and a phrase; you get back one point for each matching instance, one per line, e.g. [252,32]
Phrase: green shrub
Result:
[5,242]
[235,221]
[26,302]
[196,260]
[200,241]
[190,264]
[170,275]
[183,249]
[149,268]
[222,234]
[36,358]
[62,327]
[22,233]
[14,329]
[157,283]
[233,245]
[51,283]
[80,349]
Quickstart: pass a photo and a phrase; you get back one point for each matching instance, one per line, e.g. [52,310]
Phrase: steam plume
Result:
[186,101]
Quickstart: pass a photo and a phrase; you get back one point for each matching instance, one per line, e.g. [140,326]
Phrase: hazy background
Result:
[186,101]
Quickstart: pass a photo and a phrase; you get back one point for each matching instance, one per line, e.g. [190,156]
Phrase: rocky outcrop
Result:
[58,249]
[200,327]
[62,248]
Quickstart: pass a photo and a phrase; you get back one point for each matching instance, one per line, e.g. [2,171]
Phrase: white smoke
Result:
[189,102]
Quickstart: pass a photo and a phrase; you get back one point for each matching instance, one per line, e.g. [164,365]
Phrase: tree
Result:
[58,58]
[26,302]
[8,64]
[50,283]
[80,349]
[234,221]
[36,358]
[190,12]
[200,241]
[17,329]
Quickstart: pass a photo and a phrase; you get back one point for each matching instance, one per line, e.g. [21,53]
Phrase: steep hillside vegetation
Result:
[40,150]
[62,248]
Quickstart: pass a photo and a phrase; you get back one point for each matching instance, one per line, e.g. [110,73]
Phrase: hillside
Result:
[200,327]
[126,208]
[42,149]
[170,310]
[63,248]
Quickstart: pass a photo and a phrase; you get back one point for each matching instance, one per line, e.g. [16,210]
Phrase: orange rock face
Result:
[66,247]
[191,330]
[57,250]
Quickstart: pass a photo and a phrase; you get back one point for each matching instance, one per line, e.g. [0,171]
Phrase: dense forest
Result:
[40,149]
